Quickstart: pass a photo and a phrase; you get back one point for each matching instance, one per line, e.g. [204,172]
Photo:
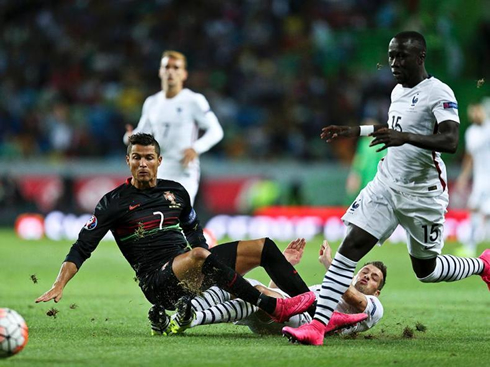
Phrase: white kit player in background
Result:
[216,306]
[174,117]
[476,162]
[409,189]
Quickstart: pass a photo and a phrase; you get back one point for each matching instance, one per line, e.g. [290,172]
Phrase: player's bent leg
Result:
[337,280]
[447,268]
[185,267]
[249,254]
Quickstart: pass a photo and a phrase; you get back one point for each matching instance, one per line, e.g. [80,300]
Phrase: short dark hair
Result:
[414,36]
[381,266]
[143,139]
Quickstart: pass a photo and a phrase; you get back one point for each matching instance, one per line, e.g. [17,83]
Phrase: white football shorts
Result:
[378,209]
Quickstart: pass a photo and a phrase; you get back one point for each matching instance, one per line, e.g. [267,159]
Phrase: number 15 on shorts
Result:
[431,233]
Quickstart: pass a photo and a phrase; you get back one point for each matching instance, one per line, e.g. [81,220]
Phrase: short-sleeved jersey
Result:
[477,139]
[374,310]
[150,226]
[175,123]
[418,110]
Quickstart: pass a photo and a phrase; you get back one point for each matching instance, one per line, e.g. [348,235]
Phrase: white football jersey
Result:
[418,110]
[477,139]
[374,310]
[175,123]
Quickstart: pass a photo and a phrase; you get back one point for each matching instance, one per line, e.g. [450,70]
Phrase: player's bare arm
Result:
[67,271]
[332,132]
[445,140]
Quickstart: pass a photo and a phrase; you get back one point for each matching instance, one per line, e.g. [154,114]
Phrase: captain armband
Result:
[366,130]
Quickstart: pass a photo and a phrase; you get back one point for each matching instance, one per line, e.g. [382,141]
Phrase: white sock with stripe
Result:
[229,311]
[210,297]
[336,281]
[451,268]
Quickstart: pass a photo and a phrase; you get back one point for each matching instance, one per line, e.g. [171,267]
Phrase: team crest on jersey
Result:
[169,196]
[415,99]
[355,205]
[91,223]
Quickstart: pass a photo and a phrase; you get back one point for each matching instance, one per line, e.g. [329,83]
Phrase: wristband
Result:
[366,130]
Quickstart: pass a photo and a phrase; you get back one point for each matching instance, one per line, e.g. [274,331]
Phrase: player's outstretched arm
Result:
[332,132]
[67,271]
[445,140]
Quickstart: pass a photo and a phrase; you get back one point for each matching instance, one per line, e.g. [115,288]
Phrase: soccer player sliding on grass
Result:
[409,188]
[360,302]
[159,234]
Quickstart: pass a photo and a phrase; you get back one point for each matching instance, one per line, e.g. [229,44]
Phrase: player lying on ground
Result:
[216,306]
[409,188]
[159,234]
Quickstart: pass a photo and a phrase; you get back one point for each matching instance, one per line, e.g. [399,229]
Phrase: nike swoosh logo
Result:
[429,247]
[131,207]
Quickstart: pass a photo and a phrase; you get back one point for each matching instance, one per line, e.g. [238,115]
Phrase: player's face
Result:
[406,61]
[369,279]
[143,162]
[172,72]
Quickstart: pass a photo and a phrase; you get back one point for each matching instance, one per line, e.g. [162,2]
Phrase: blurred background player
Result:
[175,115]
[476,163]
[216,306]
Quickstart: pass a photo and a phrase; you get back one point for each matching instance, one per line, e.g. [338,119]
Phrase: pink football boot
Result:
[287,307]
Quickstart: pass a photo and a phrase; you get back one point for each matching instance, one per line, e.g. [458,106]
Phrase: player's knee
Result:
[199,254]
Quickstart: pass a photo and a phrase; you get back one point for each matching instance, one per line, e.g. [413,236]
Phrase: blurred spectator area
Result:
[75,187]
[74,72]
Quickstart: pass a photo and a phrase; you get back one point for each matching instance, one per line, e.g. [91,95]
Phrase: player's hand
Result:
[388,137]
[129,130]
[332,132]
[54,293]
[325,255]
[189,155]
[294,251]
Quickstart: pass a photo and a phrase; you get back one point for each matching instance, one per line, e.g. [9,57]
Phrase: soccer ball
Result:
[13,333]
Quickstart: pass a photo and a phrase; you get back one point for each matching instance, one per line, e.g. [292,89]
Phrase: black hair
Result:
[145,140]
[414,36]
[381,266]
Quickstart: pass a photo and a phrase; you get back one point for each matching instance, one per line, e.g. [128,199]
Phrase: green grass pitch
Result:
[102,318]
